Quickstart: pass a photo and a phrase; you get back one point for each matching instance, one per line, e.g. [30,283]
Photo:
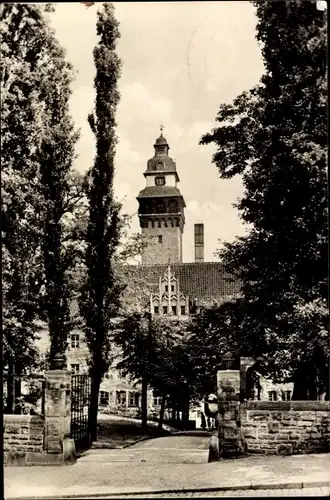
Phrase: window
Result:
[75,368]
[104,398]
[121,398]
[74,341]
[166,288]
[134,399]
[272,395]
[173,206]
[165,309]
[172,288]
[160,181]
[174,310]
[160,238]
[183,310]
[157,400]
[160,164]
[286,395]
[156,310]
[160,208]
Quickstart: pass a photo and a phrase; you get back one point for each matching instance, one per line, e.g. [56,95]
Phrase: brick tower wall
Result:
[169,249]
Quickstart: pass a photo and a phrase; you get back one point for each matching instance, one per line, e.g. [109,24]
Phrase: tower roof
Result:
[161,162]
[161,141]
[160,192]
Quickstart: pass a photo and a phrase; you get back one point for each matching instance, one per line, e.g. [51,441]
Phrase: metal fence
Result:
[23,394]
[80,404]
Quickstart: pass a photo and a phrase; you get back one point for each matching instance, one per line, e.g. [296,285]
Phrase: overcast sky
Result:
[180,61]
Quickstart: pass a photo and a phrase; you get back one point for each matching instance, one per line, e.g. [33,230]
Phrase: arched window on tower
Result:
[160,164]
[173,206]
[160,207]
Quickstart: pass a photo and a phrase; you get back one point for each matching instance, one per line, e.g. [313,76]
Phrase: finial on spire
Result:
[161,129]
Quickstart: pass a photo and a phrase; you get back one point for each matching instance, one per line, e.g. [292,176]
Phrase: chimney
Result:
[199,242]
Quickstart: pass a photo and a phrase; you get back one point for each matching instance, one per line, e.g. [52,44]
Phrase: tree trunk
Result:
[10,388]
[144,403]
[18,393]
[93,409]
[186,411]
[162,411]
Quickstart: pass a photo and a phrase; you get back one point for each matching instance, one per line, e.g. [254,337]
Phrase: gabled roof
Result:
[198,280]
[204,281]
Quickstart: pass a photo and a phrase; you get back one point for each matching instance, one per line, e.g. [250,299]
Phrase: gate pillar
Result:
[229,424]
[57,409]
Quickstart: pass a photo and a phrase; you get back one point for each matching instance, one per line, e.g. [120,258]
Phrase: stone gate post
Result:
[229,428]
[58,413]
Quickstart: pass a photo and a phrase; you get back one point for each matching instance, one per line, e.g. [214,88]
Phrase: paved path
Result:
[165,464]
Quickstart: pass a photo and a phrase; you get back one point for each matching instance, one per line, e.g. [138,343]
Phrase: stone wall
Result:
[285,427]
[23,438]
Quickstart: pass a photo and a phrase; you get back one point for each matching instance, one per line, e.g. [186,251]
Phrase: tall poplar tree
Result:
[275,137]
[100,294]
[57,152]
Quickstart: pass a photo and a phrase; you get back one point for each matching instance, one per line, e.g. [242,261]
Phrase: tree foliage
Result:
[275,137]
[154,349]
[38,141]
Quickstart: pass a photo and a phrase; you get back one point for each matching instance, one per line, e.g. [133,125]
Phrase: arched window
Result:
[160,164]
[173,206]
[177,222]
[160,208]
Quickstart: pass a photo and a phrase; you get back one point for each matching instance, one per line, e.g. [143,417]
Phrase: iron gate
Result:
[80,404]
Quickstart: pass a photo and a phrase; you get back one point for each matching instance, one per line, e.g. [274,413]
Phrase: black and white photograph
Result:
[165,247]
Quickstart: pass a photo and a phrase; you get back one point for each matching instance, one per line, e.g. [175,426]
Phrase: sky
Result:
[180,61]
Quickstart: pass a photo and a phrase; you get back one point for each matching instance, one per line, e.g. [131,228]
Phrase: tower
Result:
[161,208]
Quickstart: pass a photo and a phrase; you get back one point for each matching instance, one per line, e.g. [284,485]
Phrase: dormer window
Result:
[160,181]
